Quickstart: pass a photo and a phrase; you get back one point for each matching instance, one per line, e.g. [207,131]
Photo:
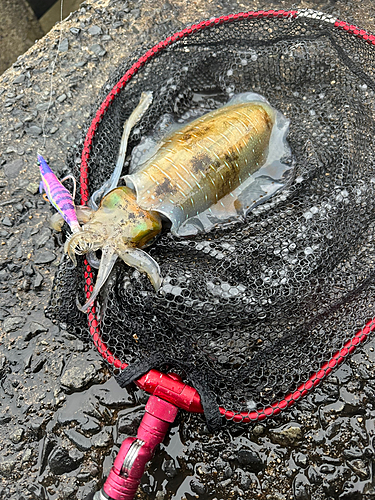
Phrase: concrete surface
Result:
[61,415]
[19,30]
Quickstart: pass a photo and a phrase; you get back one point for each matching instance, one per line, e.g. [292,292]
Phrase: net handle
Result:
[155,382]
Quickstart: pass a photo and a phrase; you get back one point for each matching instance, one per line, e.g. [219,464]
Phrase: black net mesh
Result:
[250,310]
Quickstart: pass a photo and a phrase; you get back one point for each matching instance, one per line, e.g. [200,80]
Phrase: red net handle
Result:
[169,387]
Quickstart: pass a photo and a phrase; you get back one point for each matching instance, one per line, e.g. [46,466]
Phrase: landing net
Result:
[255,313]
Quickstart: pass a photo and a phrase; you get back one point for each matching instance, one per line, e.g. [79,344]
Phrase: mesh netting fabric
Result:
[249,311]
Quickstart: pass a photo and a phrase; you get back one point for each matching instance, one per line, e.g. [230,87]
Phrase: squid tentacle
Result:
[135,257]
[108,260]
[112,182]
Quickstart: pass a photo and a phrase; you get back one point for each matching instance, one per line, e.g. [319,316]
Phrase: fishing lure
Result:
[58,195]
[193,169]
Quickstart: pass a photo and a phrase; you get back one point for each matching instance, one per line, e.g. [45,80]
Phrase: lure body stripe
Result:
[58,195]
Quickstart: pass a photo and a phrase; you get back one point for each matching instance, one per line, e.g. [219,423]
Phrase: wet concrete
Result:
[62,416]
[19,30]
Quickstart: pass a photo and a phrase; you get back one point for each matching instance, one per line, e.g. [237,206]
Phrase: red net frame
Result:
[170,387]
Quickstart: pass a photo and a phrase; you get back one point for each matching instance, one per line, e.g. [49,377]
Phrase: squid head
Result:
[119,228]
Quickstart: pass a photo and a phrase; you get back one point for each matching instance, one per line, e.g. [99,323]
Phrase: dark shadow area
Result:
[24,22]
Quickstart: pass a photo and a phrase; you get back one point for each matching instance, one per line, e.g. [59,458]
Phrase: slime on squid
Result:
[199,175]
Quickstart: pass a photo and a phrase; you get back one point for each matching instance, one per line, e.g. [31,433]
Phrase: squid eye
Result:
[150,242]
[93,258]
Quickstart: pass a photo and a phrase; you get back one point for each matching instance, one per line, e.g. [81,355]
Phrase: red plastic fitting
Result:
[131,460]
[171,388]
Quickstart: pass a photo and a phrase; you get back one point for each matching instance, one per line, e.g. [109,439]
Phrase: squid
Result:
[194,168]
